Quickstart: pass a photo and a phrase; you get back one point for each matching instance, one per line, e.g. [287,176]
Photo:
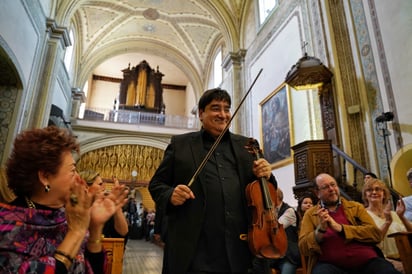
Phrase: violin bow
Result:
[217,141]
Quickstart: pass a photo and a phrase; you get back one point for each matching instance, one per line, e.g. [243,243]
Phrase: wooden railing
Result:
[350,192]
[122,116]
[353,192]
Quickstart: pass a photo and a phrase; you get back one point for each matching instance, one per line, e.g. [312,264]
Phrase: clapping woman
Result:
[116,226]
[376,198]
[54,225]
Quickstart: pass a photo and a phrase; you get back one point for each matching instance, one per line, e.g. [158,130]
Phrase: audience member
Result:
[150,222]
[54,224]
[339,236]
[376,197]
[288,264]
[136,221]
[304,203]
[369,175]
[287,216]
[132,211]
[116,226]
[408,200]
[6,195]
[206,219]
[145,227]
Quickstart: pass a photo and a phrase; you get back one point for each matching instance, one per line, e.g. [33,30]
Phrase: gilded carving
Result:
[121,160]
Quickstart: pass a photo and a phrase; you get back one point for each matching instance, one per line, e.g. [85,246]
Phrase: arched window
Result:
[83,105]
[265,9]
[217,69]
[68,56]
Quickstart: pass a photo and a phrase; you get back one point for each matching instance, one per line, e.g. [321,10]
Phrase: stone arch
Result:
[10,88]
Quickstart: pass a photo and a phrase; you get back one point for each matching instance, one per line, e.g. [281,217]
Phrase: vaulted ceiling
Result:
[179,36]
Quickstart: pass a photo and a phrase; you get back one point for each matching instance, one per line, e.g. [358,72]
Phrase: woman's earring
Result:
[46,188]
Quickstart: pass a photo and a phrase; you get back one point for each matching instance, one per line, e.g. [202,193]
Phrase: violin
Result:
[266,236]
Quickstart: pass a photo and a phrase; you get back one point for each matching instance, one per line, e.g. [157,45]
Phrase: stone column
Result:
[57,40]
[78,98]
[233,65]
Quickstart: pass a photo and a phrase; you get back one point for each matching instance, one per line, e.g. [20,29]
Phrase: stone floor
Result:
[142,257]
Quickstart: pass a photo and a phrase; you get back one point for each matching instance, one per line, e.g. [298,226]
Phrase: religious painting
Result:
[275,127]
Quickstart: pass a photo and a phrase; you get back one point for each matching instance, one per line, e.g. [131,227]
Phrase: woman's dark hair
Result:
[213,94]
[37,150]
[300,201]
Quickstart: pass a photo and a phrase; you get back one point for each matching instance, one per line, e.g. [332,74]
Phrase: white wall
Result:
[276,58]
[20,35]
[175,101]
[281,52]
[102,94]
[395,22]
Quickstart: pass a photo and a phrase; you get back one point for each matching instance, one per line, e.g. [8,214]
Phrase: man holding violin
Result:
[207,214]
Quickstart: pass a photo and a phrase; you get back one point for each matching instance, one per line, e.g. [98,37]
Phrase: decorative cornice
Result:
[234,58]
[78,94]
[57,32]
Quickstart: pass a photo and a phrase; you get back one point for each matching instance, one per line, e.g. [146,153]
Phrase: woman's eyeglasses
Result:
[376,189]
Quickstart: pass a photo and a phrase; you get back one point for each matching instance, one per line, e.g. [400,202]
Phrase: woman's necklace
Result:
[29,202]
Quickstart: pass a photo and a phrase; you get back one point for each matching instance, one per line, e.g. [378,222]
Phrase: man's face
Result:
[327,189]
[215,117]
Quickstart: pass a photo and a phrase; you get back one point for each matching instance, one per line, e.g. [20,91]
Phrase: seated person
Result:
[287,216]
[304,203]
[339,236]
[288,264]
[376,198]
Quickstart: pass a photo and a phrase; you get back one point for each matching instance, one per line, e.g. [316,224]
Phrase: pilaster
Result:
[234,66]
[349,85]
[57,40]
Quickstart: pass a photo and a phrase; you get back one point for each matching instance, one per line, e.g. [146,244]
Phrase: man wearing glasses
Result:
[339,236]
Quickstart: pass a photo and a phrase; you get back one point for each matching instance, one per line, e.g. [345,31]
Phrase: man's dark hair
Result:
[409,174]
[213,94]
[373,175]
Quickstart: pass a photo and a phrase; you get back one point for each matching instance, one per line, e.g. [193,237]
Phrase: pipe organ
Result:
[141,89]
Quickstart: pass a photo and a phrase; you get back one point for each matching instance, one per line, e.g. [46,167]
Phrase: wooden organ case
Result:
[141,89]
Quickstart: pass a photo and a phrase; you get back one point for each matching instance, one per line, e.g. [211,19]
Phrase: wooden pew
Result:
[115,250]
[403,243]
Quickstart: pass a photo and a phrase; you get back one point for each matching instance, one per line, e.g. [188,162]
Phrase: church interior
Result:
[326,82]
